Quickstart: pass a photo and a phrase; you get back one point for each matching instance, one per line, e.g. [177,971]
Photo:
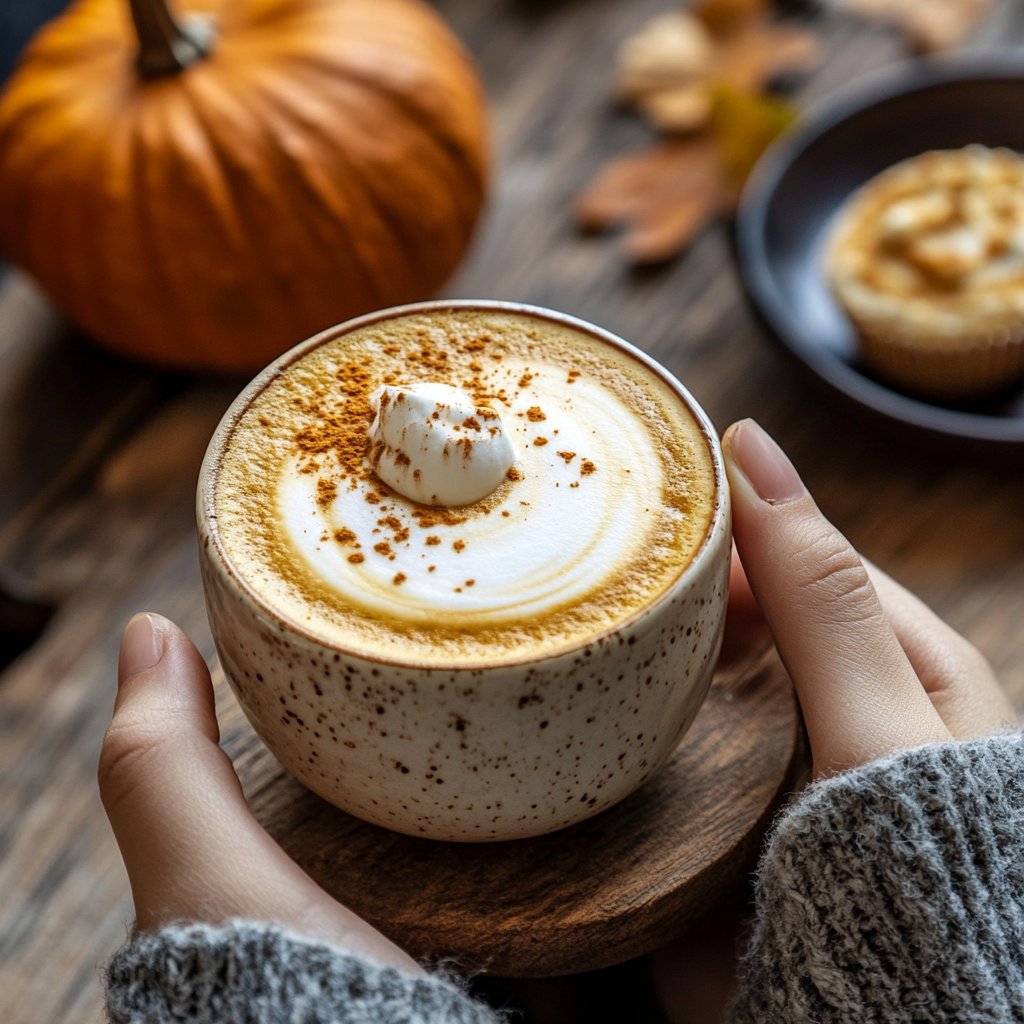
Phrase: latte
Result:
[466,566]
[363,494]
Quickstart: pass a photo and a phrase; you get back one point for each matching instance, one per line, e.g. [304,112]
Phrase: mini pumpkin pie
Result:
[927,260]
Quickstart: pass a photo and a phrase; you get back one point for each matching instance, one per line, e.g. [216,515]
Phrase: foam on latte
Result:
[610,493]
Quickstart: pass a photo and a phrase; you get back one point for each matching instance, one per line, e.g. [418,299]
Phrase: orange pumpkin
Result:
[206,199]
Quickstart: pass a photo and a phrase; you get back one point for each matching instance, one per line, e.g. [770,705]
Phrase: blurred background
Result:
[99,451]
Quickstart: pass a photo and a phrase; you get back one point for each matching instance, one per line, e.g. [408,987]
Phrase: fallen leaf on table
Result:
[697,77]
[724,17]
[670,68]
[755,55]
[931,25]
[663,196]
[744,125]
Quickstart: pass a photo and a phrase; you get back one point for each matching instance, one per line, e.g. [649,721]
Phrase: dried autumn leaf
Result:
[744,125]
[753,56]
[697,73]
[724,17]
[666,194]
[663,195]
[670,68]
[931,25]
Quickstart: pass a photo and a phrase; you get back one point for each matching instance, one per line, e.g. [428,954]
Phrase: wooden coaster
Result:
[587,897]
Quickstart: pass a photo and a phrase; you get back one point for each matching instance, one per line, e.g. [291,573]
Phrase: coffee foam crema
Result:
[610,494]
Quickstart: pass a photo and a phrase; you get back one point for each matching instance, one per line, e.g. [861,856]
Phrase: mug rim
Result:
[207,520]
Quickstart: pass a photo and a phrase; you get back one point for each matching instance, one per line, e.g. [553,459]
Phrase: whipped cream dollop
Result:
[433,444]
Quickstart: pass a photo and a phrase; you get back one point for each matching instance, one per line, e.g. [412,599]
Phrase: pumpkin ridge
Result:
[44,206]
[147,233]
[221,202]
[393,225]
[169,238]
[471,161]
[101,169]
[28,160]
[314,201]
[407,25]
[15,224]
[336,199]
[217,201]
[451,156]
[253,195]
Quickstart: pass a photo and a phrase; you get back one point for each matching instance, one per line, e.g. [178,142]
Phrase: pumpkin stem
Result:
[167,45]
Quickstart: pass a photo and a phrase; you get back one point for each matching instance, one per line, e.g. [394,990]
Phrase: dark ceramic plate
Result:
[801,181]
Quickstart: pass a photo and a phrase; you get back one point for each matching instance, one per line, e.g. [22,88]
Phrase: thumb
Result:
[190,844]
[859,693]
[162,776]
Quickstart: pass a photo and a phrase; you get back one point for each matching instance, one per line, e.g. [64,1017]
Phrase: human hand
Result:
[190,844]
[875,671]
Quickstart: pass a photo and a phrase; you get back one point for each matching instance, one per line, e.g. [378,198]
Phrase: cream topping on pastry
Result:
[937,237]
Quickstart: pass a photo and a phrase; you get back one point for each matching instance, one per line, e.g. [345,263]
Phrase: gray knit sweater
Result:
[892,893]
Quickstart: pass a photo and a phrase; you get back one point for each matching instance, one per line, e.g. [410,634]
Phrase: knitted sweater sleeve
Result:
[246,972]
[895,893]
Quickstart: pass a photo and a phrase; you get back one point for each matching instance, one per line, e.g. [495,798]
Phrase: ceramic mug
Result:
[481,752]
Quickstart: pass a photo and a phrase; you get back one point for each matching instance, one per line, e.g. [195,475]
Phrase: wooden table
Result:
[99,460]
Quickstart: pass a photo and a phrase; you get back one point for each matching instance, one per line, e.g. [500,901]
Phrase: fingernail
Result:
[140,647]
[763,463]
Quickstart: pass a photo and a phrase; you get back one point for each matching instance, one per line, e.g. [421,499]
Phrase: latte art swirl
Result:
[581,508]
[610,494]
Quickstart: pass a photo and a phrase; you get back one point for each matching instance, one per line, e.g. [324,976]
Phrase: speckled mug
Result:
[474,754]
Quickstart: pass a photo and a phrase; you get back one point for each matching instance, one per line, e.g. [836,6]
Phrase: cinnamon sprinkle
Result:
[428,517]
[340,427]
[326,493]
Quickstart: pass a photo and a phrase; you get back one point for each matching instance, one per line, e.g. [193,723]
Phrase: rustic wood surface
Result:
[99,459]
[590,896]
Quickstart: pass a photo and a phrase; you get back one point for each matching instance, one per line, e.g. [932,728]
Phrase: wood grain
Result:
[593,895]
[116,534]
